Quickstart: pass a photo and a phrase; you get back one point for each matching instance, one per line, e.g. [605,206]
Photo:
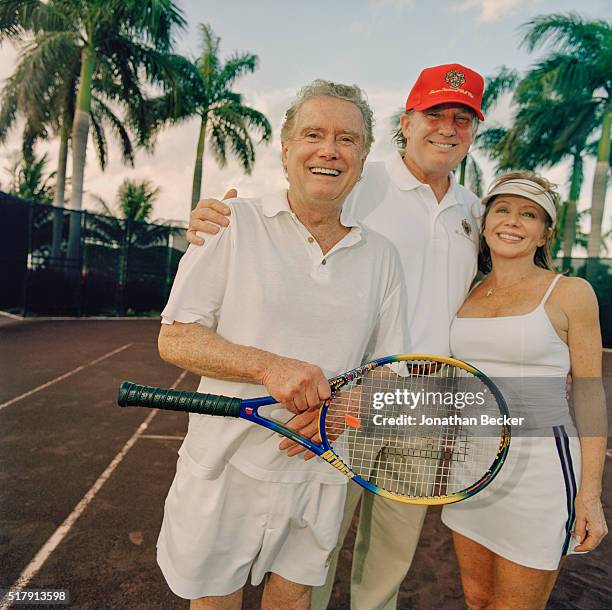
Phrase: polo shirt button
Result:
[324,261]
[310,240]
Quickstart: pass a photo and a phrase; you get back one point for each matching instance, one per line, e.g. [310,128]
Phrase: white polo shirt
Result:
[437,243]
[264,282]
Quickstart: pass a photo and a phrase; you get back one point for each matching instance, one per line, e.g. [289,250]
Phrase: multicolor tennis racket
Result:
[415,428]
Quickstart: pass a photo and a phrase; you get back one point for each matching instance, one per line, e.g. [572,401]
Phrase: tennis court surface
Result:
[82,482]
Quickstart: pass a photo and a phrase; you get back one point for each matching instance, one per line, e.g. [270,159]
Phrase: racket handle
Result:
[135,395]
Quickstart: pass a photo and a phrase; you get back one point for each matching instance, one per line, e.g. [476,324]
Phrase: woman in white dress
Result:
[527,328]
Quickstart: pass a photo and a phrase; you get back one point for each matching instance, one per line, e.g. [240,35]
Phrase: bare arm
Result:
[297,385]
[208,216]
[584,341]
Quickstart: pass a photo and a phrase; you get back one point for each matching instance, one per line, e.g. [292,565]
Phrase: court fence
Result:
[63,262]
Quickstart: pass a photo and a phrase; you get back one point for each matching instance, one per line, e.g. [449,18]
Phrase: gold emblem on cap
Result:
[467,227]
[455,78]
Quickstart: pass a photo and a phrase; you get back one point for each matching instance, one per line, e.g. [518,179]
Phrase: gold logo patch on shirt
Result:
[467,227]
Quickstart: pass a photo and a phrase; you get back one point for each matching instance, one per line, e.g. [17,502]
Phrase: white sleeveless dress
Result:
[527,512]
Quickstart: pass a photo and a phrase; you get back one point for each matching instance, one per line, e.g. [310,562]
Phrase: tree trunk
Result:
[60,186]
[569,229]
[80,131]
[58,200]
[197,171]
[462,168]
[600,181]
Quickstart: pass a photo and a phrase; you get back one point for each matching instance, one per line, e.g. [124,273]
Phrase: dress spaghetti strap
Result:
[550,289]
[473,288]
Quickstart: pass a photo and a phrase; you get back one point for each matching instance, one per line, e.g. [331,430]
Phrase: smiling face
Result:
[437,139]
[324,154]
[515,227]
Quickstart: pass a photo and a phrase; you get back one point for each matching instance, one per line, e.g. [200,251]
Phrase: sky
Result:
[381,45]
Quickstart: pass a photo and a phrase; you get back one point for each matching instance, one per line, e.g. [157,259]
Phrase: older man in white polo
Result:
[249,311]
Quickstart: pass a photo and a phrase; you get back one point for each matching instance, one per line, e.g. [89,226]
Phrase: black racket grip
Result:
[135,395]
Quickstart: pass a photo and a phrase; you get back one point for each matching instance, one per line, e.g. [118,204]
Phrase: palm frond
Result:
[38,83]
[236,134]
[99,140]
[136,198]
[565,75]
[208,62]
[8,109]
[567,32]
[474,173]
[28,179]
[254,120]
[155,21]
[241,147]
[105,114]
[19,18]
[490,141]
[236,66]
[218,143]
[497,85]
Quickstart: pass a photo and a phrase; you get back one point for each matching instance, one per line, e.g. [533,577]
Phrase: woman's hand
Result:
[590,527]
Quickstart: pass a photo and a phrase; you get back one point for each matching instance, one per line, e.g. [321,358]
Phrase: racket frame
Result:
[249,411]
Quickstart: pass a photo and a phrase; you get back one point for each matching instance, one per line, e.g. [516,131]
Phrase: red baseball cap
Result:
[445,84]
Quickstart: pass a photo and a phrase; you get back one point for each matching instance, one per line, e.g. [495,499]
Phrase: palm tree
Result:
[30,180]
[44,92]
[134,201]
[548,127]
[224,118]
[118,41]
[129,220]
[37,91]
[580,65]
[127,228]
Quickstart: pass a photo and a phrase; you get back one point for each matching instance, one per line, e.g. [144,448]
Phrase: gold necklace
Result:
[491,291]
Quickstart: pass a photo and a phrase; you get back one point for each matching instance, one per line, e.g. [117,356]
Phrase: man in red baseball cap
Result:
[414,200]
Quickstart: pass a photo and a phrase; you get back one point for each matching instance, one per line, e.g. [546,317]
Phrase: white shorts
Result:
[216,531]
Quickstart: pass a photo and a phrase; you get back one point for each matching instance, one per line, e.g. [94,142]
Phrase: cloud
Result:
[490,10]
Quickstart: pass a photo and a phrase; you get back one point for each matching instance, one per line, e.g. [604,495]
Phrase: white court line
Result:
[609,453]
[163,437]
[64,376]
[60,533]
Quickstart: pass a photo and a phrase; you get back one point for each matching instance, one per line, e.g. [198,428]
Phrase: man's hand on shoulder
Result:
[208,216]
[297,385]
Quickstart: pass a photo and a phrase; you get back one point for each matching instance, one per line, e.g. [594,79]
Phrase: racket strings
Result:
[397,428]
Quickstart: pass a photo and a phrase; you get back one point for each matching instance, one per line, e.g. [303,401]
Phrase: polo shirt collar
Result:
[278,202]
[452,196]
[400,175]
[405,180]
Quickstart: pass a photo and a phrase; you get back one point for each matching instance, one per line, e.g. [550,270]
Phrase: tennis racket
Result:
[418,429]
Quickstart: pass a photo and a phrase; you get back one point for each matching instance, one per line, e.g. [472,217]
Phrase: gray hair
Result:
[326,88]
